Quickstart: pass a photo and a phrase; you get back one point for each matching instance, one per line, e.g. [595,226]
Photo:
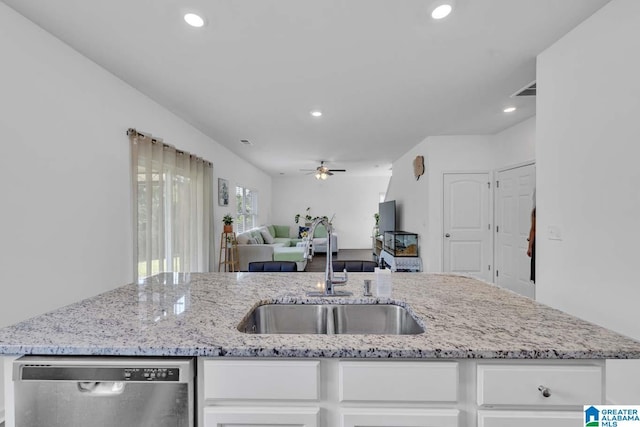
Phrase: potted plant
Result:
[308,218]
[227,220]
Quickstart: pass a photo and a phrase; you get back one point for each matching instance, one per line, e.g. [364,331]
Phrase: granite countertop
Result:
[198,315]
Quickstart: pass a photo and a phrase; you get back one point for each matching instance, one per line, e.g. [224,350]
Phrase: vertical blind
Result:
[172,200]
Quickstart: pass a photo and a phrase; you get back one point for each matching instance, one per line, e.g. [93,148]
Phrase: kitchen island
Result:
[477,339]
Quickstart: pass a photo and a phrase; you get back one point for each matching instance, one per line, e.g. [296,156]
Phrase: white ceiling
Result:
[383,72]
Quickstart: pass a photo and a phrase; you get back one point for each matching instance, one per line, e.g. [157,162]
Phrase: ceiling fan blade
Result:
[337,170]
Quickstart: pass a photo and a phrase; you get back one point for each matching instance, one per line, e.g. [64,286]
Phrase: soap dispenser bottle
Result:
[383,281]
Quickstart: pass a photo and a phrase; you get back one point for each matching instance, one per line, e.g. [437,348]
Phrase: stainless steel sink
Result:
[287,319]
[382,319]
[386,319]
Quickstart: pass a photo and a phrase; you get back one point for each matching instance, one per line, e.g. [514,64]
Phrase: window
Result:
[246,208]
[173,193]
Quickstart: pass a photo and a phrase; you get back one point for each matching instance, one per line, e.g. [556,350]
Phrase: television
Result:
[387,212]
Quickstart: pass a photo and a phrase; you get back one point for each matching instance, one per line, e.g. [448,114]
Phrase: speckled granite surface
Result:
[198,315]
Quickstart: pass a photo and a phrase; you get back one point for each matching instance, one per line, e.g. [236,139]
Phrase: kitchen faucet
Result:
[330,280]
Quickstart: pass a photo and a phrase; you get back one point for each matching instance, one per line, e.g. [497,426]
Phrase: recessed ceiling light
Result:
[509,109]
[194,20]
[316,113]
[441,11]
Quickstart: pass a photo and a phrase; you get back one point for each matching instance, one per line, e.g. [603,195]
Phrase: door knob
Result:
[447,235]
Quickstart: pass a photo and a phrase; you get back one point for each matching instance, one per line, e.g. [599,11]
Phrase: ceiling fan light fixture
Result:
[321,175]
[322,172]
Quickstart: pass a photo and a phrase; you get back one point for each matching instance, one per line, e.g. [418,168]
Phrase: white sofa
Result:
[320,244]
[269,243]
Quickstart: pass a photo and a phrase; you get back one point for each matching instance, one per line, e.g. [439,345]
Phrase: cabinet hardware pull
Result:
[546,392]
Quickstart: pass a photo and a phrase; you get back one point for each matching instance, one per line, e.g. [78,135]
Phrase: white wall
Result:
[515,145]
[421,201]
[65,216]
[64,171]
[411,197]
[353,200]
[587,151]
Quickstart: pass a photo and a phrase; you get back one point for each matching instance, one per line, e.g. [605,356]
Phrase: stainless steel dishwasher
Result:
[106,392]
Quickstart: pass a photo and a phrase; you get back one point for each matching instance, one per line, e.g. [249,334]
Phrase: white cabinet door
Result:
[261,417]
[530,418]
[371,417]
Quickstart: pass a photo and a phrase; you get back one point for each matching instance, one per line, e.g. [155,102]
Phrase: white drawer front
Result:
[260,417]
[530,419]
[518,385]
[371,417]
[267,379]
[399,381]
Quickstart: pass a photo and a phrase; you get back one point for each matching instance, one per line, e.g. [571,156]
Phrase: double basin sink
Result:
[382,319]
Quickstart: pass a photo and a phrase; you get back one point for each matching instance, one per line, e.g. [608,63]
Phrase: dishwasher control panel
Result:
[151,374]
[36,372]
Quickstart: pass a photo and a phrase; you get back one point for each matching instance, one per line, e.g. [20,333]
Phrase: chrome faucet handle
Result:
[342,281]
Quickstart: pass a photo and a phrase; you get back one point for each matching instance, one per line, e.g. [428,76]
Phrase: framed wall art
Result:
[223,192]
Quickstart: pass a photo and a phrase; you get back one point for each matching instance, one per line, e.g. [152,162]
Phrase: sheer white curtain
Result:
[172,198]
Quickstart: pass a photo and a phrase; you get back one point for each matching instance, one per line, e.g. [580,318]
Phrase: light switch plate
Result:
[554,232]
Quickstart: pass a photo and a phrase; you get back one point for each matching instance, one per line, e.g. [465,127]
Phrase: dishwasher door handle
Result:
[101,388]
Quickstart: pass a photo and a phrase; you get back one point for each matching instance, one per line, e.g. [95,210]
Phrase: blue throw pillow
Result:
[302,230]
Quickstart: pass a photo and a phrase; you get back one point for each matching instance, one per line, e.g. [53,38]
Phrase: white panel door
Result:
[467,247]
[514,189]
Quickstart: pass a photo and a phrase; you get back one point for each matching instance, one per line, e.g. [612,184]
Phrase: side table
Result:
[228,258]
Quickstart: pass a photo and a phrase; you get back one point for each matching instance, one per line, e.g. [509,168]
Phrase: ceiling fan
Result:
[322,171]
